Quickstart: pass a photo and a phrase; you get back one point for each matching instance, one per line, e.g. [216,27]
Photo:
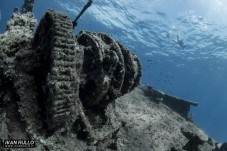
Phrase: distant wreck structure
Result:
[82,92]
[179,105]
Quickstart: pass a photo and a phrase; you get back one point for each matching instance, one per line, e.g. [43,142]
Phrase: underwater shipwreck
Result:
[82,92]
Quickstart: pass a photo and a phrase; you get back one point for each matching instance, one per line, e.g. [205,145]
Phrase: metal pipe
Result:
[81,12]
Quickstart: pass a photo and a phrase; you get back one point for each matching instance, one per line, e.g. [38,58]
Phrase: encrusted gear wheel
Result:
[104,75]
[109,69]
[133,70]
[58,83]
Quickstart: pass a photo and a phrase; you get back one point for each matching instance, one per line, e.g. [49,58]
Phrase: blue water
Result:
[153,29]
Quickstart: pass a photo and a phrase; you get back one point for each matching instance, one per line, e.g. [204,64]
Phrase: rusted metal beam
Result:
[81,12]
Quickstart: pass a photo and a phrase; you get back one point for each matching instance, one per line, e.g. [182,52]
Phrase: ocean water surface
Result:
[182,45]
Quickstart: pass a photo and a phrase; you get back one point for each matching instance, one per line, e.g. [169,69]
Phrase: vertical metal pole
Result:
[81,12]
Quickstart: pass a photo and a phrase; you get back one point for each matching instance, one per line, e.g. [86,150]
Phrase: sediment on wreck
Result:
[16,45]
